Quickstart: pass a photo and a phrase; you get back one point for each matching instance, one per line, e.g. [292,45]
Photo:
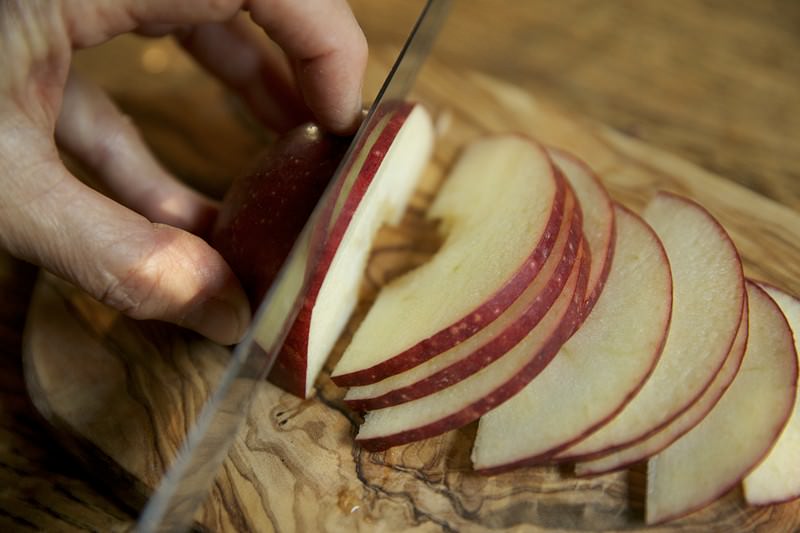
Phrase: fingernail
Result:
[222,319]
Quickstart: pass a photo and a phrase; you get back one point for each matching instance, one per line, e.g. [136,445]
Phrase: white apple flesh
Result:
[598,369]
[465,401]
[656,442]
[777,478]
[500,209]
[708,298]
[739,431]
[492,341]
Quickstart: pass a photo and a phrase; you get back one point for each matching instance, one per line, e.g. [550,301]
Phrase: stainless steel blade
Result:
[189,479]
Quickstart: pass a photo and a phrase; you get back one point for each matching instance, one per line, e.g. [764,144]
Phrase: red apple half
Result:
[656,442]
[500,209]
[708,298]
[598,218]
[777,478]
[266,208]
[492,341]
[467,400]
[739,431]
[599,369]
[380,182]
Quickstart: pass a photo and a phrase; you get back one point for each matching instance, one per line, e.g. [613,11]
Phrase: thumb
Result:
[146,270]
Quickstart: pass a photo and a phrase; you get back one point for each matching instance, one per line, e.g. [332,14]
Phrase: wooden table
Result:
[713,82]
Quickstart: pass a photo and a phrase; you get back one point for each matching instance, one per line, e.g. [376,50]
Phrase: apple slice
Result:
[708,298]
[598,218]
[465,401]
[739,431]
[777,478]
[656,442]
[599,369]
[492,341]
[380,182]
[500,209]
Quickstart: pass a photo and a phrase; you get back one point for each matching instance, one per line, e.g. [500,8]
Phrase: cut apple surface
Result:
[378,186]
[739,431]
[598,369]
[500,209]
[656,442]
[465,401]
[492,341]
[598,218]
[777,478]
[708,298]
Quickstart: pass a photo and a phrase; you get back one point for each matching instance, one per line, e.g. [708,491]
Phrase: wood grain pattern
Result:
[122,393]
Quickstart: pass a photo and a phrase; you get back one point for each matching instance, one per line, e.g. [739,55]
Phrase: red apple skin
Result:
[480,316]
[265,209]
[508,338]
[535,365]
[290,368]
[593,292]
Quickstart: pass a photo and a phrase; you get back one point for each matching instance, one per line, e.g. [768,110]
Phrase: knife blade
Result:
[190,477]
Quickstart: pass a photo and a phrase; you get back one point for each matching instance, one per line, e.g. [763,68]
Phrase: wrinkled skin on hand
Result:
[138,249]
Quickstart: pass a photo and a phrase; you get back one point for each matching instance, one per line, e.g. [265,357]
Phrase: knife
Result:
[190,477]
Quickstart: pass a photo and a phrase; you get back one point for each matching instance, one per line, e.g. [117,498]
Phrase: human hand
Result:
[141,255]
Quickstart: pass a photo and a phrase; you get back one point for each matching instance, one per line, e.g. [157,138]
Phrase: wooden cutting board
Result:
[121,394]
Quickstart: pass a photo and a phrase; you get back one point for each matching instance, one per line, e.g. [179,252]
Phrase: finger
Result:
[92,128]
[149,271]
[321,38]
[245,60]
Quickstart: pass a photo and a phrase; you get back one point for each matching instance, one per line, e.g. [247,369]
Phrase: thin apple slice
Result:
[708,298]
[777,478]
[598,218]
[500,210]
[741,429]
[491,342]
[656,442]
[467,400]
[599,369]
[380,183]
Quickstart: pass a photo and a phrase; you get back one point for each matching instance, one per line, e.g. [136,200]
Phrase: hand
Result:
[143,258]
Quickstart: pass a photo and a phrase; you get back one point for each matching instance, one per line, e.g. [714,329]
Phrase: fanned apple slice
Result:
[656,442]
[492,341]
[500,210]
[598,218]
[708,298]
[467,400]
[777,478]
[599,369]
[380,183]
[739,431]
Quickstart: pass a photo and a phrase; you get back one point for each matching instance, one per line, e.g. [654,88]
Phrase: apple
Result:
[777,478]
[656,442]
[598,218]
[598,370]
[492,341]
[265,209]
[470,398]
[708,298]
[500,210]
[375,190]
[739,431]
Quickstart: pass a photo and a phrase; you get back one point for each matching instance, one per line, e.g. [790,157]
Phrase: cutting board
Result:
[121,394]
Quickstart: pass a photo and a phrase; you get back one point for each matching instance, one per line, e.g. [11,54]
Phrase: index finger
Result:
[320,37]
